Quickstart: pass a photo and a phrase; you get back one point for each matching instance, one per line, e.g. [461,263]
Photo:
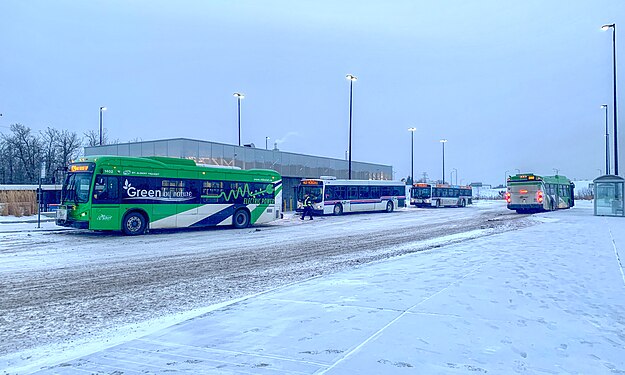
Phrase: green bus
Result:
[529,193]
[134,194]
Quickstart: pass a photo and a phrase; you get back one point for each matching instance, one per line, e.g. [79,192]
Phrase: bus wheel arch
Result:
[389,206]
[338,209]
[135,222]
[241,218]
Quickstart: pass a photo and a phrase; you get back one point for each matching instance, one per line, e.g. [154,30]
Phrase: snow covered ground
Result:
[514,294]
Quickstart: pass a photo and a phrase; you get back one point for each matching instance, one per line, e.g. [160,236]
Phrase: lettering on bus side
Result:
[186,191]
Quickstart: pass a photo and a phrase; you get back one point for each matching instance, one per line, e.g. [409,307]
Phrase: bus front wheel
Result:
[338,209]
[134,224]
[241,219]
[389,207]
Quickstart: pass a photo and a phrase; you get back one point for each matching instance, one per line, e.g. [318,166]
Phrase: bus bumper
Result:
[525,206]
[72,224]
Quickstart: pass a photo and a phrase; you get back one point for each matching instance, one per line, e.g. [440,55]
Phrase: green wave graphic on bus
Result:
[244,192]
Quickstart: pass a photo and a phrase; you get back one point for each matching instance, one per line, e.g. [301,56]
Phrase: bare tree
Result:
[49,138]
[67,148]
[27,150]
[92,138]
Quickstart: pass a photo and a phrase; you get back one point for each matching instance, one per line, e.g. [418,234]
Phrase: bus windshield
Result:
[421,192]
[316,192]
[76,187]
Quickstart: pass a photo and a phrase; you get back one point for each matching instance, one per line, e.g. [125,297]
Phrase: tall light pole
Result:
[615,135]
[456,172]
[351,78]
[556,170]
[266,139]
[102,109]
[239,96]
[607,141]
[443,141]
[412,130]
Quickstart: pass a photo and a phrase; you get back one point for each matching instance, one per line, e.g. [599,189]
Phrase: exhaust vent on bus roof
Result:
[327,177]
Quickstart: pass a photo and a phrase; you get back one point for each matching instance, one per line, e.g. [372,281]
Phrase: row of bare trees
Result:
[23,152]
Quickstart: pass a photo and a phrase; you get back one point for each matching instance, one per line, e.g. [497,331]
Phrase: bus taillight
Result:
[539,196]
[508,199]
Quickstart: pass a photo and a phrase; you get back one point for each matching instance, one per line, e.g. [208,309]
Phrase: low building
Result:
[293,167]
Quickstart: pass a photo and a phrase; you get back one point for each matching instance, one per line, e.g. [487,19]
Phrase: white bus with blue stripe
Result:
[335,197]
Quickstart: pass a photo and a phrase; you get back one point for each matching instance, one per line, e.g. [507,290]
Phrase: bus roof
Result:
[161,162]
[425,185]
[319,181]
[530,177]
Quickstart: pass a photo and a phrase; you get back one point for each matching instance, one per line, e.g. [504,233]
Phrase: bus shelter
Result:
[609,191]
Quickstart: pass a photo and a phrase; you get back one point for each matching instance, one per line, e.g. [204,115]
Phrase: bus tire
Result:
[389,206]
[134,223]
[241,219]
[338,209]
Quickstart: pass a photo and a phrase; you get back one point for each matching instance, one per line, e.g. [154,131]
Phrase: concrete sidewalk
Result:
[545,299]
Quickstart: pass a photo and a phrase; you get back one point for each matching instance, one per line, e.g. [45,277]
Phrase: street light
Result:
[556,170]
[102,109]
[518,171]
[607,141]
[412,130]
[615,135]
[266,139]
[451,174]
[351,78]
[443,141]
[239,96]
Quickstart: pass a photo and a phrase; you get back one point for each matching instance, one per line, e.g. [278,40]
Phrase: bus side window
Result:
[342,192]
[330,193]
[352,192]
[106,189]
[375,192]
[386,191]
[363,192]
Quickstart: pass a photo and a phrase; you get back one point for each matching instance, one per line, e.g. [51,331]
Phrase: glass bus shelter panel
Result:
[609,199]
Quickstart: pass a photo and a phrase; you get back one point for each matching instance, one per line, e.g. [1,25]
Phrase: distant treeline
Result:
[23,152]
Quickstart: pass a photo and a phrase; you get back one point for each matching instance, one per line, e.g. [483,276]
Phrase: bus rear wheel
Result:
[241,219]
[389,207]
[134,224]
[338,209]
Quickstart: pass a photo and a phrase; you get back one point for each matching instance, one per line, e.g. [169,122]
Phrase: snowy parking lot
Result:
[69,293]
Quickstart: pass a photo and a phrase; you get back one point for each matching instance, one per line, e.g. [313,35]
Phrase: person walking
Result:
[308,207]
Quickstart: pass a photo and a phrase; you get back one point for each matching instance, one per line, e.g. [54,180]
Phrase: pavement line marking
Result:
[618,259]
[404,313]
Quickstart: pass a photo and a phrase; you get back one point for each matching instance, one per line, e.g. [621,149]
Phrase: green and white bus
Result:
[529,193]
[136,194]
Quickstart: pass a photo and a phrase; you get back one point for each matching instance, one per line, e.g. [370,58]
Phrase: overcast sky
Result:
[510,84]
